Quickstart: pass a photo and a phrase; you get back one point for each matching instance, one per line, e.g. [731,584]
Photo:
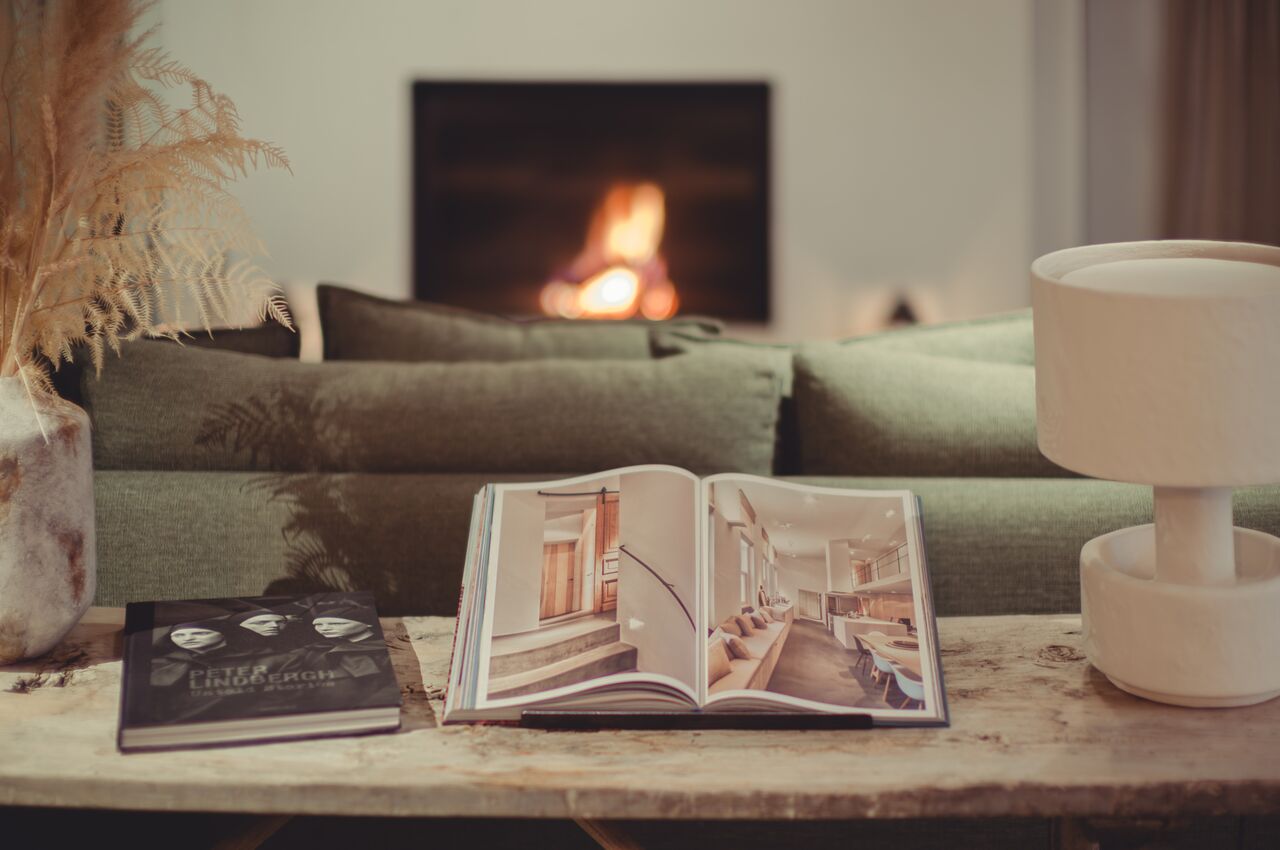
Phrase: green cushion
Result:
[357,326]
[1004,338]
[668,342]
[949,401]
[268,339]
[161,406]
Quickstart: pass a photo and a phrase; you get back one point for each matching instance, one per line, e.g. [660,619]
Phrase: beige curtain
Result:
[1222,164]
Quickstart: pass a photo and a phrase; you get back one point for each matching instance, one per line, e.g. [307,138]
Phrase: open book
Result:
[648,589]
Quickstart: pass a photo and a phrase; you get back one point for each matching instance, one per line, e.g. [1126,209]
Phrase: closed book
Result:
[228,671]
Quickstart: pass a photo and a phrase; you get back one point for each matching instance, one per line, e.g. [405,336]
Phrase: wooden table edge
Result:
[456,796]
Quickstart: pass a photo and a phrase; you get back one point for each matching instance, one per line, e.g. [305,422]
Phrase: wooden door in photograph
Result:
[811,605]
[606,594]
[559,580]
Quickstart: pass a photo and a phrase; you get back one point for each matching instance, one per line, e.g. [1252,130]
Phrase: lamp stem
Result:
[1195,541]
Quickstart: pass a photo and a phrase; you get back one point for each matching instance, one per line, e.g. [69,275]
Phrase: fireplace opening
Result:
[593,200]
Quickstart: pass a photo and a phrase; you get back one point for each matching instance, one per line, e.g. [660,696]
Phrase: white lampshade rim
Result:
[1053,268]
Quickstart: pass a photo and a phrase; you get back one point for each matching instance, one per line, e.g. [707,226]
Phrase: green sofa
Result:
[241,470]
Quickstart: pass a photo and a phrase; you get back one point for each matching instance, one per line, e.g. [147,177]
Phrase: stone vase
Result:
[47,545]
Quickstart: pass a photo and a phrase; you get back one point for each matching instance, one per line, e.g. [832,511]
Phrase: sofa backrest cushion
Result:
[956,400]
[737,647]
[357,326]
[268,339]
[718,665]
[670,341]
[162,406]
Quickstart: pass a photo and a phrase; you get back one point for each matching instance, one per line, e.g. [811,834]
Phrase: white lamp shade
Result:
[1159,362]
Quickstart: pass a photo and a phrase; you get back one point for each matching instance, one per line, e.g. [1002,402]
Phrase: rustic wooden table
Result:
[1035,732]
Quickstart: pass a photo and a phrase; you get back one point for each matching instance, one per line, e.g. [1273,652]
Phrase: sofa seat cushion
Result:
[759,643]
[357,326]
[191,535]
[945,401]
[162,406]
[995,546]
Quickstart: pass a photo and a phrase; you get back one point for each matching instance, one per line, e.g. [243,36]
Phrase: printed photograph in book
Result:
[647,589]
[227,658]
[593,579]
[816,595]
[216,672]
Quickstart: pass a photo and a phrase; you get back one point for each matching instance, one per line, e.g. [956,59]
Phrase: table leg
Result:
[250,834]
[1071,834]
[606,834]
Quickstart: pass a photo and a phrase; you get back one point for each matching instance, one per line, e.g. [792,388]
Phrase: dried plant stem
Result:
[111,202]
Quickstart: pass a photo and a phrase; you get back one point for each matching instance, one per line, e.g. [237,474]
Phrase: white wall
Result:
[797,573]
[519,579]
[587,554]
[1124,119]
[839,575]
[909,141]
[656,521]
[726,571]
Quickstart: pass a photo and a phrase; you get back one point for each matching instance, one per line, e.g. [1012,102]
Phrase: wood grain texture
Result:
[1036,732]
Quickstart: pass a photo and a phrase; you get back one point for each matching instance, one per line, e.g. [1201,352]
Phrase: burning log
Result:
[619,272]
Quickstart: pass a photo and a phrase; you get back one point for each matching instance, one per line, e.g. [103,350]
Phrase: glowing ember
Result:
[619,271]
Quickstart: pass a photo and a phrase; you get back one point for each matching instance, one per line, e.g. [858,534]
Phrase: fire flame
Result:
[619,271]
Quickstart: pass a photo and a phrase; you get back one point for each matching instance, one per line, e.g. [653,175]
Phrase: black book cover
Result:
[198,661]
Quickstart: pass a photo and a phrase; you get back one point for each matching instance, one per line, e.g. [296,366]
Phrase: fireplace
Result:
[607,200]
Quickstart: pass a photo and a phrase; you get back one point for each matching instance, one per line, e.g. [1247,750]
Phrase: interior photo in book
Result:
[812,595]
[593,579]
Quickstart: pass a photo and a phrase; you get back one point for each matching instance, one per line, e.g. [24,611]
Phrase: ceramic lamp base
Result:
[1192,702]
[1202,646]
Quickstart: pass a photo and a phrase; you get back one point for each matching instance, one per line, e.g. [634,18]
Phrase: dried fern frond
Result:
[113,202]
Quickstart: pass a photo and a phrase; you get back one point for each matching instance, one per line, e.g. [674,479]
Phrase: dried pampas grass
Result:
[114,210]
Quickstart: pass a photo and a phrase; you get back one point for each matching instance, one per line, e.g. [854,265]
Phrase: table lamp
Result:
[1159,363]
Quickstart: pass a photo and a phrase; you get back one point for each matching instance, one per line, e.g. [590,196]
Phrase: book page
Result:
[817,599]
[591,581]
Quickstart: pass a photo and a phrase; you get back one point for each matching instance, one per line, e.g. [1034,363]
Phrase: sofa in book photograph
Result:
[762,636]
[852,640]
[592,579]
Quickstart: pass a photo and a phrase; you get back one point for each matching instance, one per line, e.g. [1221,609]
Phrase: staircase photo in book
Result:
[594,579]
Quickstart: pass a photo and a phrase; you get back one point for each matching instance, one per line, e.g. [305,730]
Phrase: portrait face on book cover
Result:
[342,627]
[266,625]
[197,638]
